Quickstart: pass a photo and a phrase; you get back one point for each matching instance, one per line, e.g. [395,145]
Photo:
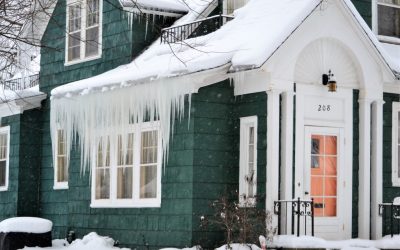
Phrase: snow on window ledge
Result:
[60,185]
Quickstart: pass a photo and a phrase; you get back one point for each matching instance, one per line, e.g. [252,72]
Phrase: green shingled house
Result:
[147,111]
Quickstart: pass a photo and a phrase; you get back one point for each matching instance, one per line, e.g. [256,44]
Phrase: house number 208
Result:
[324,108]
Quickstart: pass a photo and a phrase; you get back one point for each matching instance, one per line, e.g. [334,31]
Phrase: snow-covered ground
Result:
[93,241]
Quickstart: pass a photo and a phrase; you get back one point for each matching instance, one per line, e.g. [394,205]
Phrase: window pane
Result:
[62,169]
[92,41]
[124,183]
[149,147]
[74,46]
[102,184]
[74,17]
[92,13]
[2,173]
[388,21]
[148,181]
[3,146]
[129,153]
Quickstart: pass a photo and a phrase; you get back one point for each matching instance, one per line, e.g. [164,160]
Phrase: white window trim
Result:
[135,202]
[2,131]
[395,136]
[387,39]
[245,124]
[83,34]
[64,184]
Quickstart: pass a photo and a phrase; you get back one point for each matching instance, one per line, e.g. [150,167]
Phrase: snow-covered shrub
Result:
[241,222]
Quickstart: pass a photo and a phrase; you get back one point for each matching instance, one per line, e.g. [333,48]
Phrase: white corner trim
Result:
[376,168]
[272,178]
[364,189]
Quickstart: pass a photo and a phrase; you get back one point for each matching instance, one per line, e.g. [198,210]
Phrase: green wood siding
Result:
[365,9]
[389,192]
[9,198]
[216,113]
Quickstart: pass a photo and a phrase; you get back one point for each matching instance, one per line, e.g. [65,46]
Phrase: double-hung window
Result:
[83,41]
[127,172]
[396,144]
[387,19]
[4,157]
[61,161]
[248,161]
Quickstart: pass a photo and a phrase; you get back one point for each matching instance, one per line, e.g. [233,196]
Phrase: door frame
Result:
[344,120]
[327,222]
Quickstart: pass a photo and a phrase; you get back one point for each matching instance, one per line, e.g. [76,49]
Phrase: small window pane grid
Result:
[83,30]
[388,18]
[133,173]
[248,161]
[3,158]
[324,174]
[62,165]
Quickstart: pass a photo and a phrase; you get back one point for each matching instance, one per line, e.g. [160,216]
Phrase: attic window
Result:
[83,41]
[388,19]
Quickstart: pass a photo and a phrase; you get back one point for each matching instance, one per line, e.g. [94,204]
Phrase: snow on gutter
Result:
[169,6]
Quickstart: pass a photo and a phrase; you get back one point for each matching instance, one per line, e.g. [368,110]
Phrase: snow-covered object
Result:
[396,201]
[7,95]
[291,241]
[91,241]
[25,225]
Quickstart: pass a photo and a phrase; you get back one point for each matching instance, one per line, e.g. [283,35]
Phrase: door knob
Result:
[306,193]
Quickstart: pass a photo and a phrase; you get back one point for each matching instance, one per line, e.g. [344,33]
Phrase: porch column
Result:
[272,179]
[286,181]
[376,168]
[364,169]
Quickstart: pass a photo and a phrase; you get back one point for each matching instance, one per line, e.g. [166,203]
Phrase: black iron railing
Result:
[194,29]
[390,213]
[299,211]
[21,83]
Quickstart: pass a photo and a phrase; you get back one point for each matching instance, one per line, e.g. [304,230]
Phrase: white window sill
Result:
[125,204]
[82,60]
[389,39]
[3,189]
[60,185]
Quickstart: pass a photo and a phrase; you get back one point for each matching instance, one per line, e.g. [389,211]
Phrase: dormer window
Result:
[83,41]
[387,20]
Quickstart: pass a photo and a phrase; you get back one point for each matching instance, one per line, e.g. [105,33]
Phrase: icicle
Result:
[147,25]
[86,118]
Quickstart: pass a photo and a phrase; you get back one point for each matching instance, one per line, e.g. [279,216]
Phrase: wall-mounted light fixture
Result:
[330,80]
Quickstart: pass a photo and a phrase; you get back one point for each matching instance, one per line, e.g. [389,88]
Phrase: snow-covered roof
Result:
[7,95]
[239,43]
